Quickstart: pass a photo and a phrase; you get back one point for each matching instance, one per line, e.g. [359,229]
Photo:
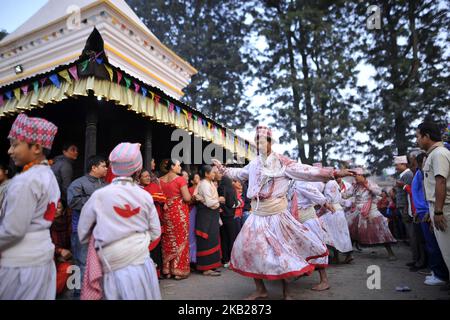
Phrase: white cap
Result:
[401,160]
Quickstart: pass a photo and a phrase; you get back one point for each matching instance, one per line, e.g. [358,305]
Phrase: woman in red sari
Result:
[150,183]
[175,239]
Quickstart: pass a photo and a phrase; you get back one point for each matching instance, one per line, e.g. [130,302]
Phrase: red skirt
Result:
[175,239]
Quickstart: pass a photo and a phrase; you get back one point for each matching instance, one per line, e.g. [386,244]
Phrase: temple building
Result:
[96,71]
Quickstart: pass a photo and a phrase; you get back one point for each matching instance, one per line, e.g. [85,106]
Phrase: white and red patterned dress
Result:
[272,244]
[367,225]
[335,223]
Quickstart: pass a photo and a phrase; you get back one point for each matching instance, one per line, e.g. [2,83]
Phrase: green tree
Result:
[209,34]
[307,70]
[409,54]
[3,34]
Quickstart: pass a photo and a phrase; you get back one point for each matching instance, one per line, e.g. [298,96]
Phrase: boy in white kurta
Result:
[27,268]
[272,244]
[123,221]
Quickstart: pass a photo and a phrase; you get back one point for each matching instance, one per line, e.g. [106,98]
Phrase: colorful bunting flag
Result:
[55,80]
[127,82]
[9,95]
[119,77]
[2,101]
[84,65]
[144,91]
[136,87]
[171,107]
[36,87]
[157,98]
[178,109]
[42,81]
[110,71]
[99,60]
[65,75]
[25,89]
[17,93]
[74,72]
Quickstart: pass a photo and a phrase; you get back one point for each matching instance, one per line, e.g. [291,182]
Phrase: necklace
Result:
[36,162]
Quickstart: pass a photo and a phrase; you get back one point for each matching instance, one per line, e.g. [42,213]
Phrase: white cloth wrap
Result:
[132,250]
[35,249]
[306,214]
[269,207]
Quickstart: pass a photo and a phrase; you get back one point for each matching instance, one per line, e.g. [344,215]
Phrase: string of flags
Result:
[71,73]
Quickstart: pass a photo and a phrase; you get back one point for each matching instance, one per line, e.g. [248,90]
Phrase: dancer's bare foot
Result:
[321,286]
[257,295]
[348,259]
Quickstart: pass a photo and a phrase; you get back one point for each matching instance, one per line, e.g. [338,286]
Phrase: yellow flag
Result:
[65,75]
[110,71]
[17,93]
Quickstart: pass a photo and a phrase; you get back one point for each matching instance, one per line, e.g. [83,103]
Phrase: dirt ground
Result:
[347,282]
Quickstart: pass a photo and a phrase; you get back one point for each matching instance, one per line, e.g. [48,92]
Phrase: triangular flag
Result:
[144,91]
[99,60]
[189,115]
[65,75]
[110,71]
[43,81]
[127,82]
[195,117]
[25,89]
[178,109]
[157,98]
[152,95]
[9,95]
[36,87]
[17,93]
[74,72]
[55,80]
[171,107]
[84,65]
[119,77]
[136,87]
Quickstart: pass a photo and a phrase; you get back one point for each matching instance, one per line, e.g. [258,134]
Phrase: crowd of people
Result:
[127,228]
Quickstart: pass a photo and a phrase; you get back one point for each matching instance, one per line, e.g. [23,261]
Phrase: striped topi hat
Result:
[126,159]
[33,131]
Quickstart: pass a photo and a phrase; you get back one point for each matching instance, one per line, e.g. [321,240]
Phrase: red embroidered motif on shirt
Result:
[127,212]
[49,215]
